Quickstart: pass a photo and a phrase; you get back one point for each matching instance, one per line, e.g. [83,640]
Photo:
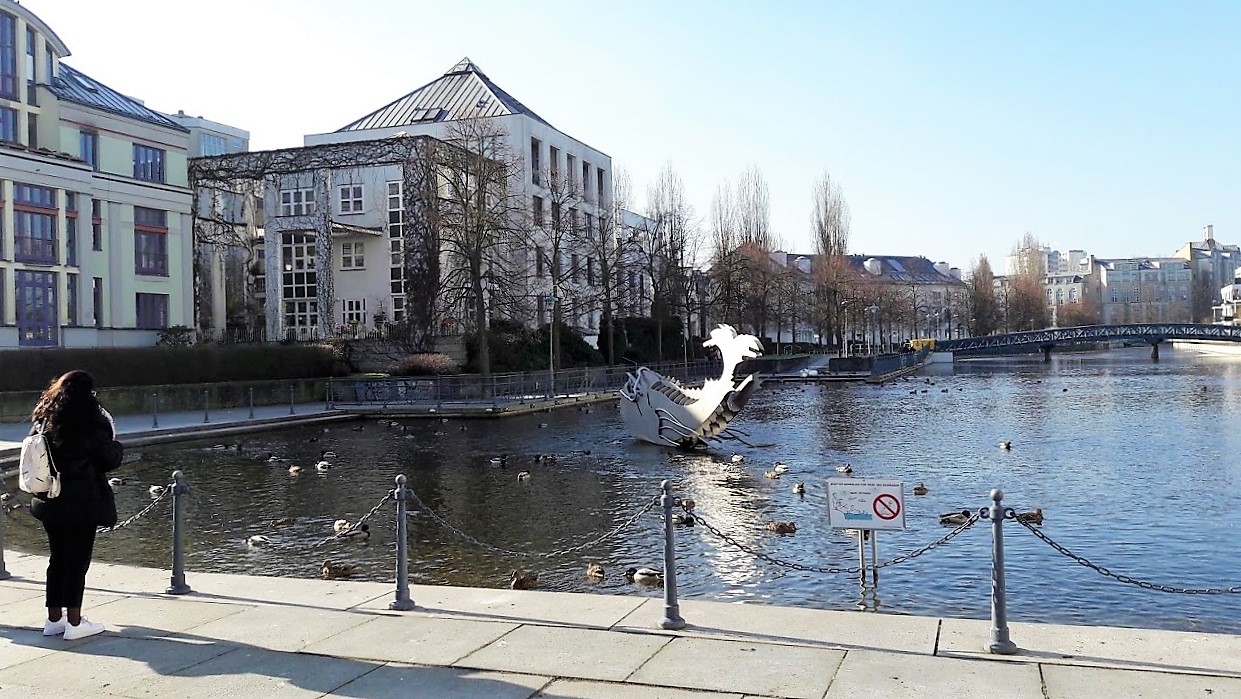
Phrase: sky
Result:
[953,128]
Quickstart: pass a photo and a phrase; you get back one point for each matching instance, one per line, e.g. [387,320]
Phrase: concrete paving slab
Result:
[153,617]
[13,593]
[397,681]
[29,691]
[280,628]
[769,624]
[423,640]
[106,578]
[30,613]
[521,606]
[754,668]
[254,672]
[583,689]
[877,675]
[567,652]
[1065,682]
[1134,649]
[111,663]
[259,589]
[20,645]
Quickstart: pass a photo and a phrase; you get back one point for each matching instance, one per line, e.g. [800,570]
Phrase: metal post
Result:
[251,402]
[1000,643]
[874,558]
[206,407]
[327,395]
[154,410]
[4,574]
[861,558]
[177,586]
[290,399]
[402,603]
[495,398]
[672,610]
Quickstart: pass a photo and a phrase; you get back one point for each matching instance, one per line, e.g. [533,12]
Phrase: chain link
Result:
[831,570]
[141,513]
[1083,561]
[527,554]
[342,534]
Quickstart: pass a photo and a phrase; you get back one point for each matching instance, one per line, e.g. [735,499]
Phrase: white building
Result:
[95,245]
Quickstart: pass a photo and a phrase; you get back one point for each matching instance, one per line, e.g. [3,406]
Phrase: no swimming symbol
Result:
[886,506]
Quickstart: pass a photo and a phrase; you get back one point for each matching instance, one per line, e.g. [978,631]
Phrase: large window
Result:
[210,144]
[34,214]
[71,228]
[152,311]
[32,94]
[396,247]
[538,211]
[88,148]
[536,149]
[299,288]
[148,163]
[96,300]
[297,202]
[71,300]
[8,56]
[96,224]
[350,198]
[351,256]
[354,312]
[37,324]
[3,290]
[8,125]
[150,241]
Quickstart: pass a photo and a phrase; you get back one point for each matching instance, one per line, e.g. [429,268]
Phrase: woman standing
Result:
[83,447]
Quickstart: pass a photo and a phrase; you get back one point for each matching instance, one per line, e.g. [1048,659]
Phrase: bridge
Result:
[1045,340]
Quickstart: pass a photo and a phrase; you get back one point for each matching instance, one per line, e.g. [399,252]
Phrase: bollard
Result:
[327,396]
[672,610]
[154,410]
[402,603]
[290,399]
[4,574]
[206,407]
[1000,643]
[177,586]
[251,402]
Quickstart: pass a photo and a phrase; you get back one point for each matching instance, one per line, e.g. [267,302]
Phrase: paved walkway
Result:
[246,636]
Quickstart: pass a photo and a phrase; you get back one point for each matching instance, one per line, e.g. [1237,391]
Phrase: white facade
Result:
[95,245]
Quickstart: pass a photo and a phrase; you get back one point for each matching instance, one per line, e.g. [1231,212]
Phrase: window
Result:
[351,199]
[71,300]
[71,228]
[600,200]
[575,267]
[590,224]
[297,202]
[32,95]
[34,214]
[88,148]
[351,256]
[8,125]
[299,284]
[355,311]
[538,261]
[3,288]
[49,67]
[32,130]
[96,224]
[590,271]
[150,241]
[553,162]
[37,312]
[536,149]
[210,144]
[586,181]
[571,166]
[396,249]
[8,56]
[96,300]
[152,311]
[148,163]
[556,216]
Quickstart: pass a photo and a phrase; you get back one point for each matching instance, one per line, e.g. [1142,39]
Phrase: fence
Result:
[498,389]
[408,504]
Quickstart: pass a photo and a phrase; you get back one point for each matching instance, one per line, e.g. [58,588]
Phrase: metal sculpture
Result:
[661,410]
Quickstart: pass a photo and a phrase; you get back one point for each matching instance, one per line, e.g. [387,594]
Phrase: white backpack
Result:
[37,473]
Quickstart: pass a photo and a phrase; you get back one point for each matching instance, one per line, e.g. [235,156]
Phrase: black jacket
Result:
[82,460]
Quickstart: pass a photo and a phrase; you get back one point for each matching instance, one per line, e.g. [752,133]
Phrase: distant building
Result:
[1142,290]
[95,244]
[209,138]
[915,298]
[1213,264]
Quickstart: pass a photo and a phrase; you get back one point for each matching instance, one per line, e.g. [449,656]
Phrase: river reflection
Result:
[1133,463]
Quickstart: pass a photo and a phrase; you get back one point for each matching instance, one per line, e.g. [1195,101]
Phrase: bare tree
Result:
[607,248]
[668,249]
[727,269]
[983,307]
[830,221]
[1027,304]
[753,215]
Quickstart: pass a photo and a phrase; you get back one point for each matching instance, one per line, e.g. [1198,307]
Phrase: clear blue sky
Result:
[954,127]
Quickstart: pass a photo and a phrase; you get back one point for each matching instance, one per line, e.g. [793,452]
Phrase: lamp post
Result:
[871,337]
[551,300]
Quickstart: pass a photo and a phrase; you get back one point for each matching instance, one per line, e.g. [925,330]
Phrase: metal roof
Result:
[902,268]
[461,93]
[74,86]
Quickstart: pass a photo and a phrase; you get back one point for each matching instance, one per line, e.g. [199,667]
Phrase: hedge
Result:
[33,369]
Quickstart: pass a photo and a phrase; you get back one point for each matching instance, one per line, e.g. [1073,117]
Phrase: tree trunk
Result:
[480,320]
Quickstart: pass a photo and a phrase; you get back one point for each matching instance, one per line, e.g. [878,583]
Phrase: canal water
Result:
[1134,464]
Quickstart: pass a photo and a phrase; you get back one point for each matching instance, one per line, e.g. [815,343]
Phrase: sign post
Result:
[867,505]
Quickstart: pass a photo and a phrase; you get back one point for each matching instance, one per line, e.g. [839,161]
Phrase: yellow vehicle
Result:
[919,344]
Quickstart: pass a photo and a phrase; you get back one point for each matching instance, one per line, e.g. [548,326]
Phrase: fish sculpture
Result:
[660,410]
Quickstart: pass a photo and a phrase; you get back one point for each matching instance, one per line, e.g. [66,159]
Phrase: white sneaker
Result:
[54,628]
[82,630]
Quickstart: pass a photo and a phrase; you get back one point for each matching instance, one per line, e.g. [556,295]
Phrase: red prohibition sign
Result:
[886,506]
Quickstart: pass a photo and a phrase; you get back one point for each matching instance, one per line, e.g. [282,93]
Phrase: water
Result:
[1133,463]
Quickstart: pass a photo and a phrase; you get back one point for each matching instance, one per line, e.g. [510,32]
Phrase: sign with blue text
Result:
[865,503]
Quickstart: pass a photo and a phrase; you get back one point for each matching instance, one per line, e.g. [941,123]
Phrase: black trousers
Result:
[71,547]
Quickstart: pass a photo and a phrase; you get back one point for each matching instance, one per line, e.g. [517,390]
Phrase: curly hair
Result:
[68,407]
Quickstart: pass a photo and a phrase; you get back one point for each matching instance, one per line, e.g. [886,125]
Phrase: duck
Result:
[327,454]
[323,466]
[799,488]
[340,525]
[542,425]
[294,470]
[954,518]
[771,474]
[780,467]
[157,490]
[114,482]
[685,519]
[545,458]
[443,419]
[501,460]
[258,540]
[736,458]
[688,504]
[523,476]
[359,428]
[332,571]
[273,459]
[282,521]
[1006,445]
[645,576]
[782,527]
[438,433]
[1035,517]
[594,571]
[522,580]
[847,468]
[362,532]
[920,489]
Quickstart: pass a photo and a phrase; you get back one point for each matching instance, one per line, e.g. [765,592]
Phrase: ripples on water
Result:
[1134,464]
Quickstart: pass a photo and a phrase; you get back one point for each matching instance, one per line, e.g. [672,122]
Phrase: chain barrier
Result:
[356,525]
[419,505]
[855,570]
[141,513]
[1119,577]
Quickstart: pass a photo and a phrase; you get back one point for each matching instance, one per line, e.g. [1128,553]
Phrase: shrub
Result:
[514,347]
[176,336]
[426,364]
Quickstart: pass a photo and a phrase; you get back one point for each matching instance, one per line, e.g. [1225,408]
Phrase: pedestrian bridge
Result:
[1045,340]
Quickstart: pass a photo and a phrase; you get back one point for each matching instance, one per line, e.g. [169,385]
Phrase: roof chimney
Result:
[1208,232]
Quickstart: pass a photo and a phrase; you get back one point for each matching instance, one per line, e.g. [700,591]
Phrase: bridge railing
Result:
[1147,332]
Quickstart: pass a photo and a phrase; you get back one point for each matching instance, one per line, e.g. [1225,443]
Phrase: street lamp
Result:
[551,300]
[873,310]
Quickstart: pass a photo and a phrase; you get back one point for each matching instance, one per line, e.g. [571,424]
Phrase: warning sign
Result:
[864,503]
